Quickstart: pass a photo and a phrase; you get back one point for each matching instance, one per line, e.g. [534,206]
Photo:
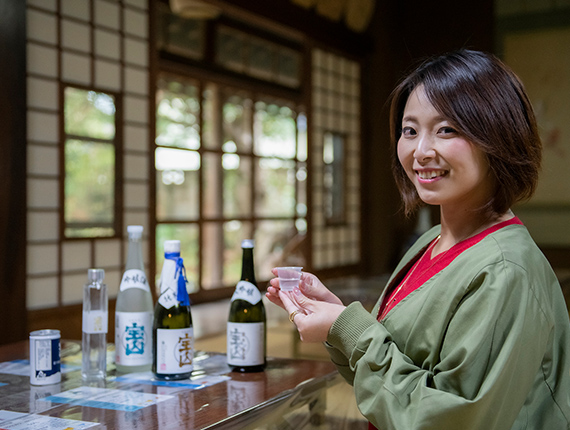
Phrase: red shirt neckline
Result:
[425,268]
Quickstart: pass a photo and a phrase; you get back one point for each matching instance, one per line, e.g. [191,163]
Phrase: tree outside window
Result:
[90,148]
[229,166]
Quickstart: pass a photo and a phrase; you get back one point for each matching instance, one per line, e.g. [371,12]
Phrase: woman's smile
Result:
[428,176]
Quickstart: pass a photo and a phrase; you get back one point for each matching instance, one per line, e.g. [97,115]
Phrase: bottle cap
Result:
[171,246]
[247,243]
[95,275]
[135,231]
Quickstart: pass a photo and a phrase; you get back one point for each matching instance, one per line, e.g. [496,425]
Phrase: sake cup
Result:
[289,277]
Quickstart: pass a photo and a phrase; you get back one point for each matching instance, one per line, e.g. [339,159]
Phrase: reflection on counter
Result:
[289,392]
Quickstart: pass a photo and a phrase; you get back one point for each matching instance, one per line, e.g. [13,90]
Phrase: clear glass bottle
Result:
[246,331]
[134,312]
[95,325]
[173,334]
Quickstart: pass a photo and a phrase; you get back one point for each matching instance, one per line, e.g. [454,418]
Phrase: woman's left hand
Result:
[313,318]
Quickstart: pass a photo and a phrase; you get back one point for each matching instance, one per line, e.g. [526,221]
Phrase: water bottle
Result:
[95,323]
[134,312]
[246,331]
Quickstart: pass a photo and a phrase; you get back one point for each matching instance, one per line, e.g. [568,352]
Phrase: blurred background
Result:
[214,121]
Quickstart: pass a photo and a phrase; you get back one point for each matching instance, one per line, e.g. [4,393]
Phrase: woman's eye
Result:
[447,130]
[408,131]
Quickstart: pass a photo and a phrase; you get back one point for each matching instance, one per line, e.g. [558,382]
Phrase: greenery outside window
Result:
[90,149]
[230,165]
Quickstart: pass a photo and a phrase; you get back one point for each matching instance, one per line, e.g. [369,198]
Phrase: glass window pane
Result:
[177,184]
[274,246]
[289,67]
[237,113]
[275,187]
[212,116]
[302,137]
[274,131]
[234,233]
[178,113]
[187,234]
[261,59]
[212,255]
[180,35]
[89,189]
[334,177]
[222,252]
[89,114]
[213,185]
[230,49]
[302,189]
[237,185]
[238,140]
[301,225]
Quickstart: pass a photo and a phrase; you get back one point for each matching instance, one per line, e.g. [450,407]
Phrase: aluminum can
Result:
[45,363]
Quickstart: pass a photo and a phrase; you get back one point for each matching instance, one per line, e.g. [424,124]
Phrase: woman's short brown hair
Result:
[487,103]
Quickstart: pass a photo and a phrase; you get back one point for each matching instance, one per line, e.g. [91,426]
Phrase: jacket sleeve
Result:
[488,359]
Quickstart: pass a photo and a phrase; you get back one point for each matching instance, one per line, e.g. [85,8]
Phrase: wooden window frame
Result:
[258,94]
[118,145]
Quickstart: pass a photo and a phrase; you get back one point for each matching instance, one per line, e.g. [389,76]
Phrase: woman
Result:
[472,331]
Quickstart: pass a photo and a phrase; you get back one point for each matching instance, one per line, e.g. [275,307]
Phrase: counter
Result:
[289,391]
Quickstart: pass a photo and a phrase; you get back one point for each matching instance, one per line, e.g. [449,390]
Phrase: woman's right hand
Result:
[310,286]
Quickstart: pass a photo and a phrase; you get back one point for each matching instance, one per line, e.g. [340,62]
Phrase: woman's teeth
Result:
[430,174]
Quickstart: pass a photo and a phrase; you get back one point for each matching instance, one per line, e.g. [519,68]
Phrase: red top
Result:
[425,266]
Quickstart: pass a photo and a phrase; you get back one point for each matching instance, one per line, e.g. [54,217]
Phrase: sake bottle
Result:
[173,335]
[246,333]
[134,311]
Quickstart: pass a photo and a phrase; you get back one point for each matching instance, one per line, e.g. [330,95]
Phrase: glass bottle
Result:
[134,312]
[173,335]
[246,330]
[94,327]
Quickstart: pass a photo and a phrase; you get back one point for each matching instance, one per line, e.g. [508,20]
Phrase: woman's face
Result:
[445,168]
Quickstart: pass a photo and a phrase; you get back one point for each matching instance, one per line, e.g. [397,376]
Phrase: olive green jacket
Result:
[484,344]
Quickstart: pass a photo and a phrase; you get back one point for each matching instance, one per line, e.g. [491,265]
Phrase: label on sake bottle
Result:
[133,332]
[245,344]
[174,350]
[134,278]
[168,298]
[247,291]
[95,322]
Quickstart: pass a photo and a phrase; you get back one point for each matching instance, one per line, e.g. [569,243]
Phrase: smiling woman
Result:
[450,331]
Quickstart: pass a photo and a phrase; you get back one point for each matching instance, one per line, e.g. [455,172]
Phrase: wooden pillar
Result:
[13,171]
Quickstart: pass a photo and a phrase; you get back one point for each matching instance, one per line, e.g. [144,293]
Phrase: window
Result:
[334,178]
[90,186]
[229,165]
[230,44]
[257,57]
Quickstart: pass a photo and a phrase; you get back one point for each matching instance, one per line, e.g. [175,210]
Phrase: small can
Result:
[45,363]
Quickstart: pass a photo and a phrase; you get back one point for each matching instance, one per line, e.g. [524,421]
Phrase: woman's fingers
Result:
[312,318]
[272,295]
[312,287]
[289,304]
[294,308]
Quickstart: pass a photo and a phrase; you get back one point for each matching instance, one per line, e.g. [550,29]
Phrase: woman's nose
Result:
[425,149]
